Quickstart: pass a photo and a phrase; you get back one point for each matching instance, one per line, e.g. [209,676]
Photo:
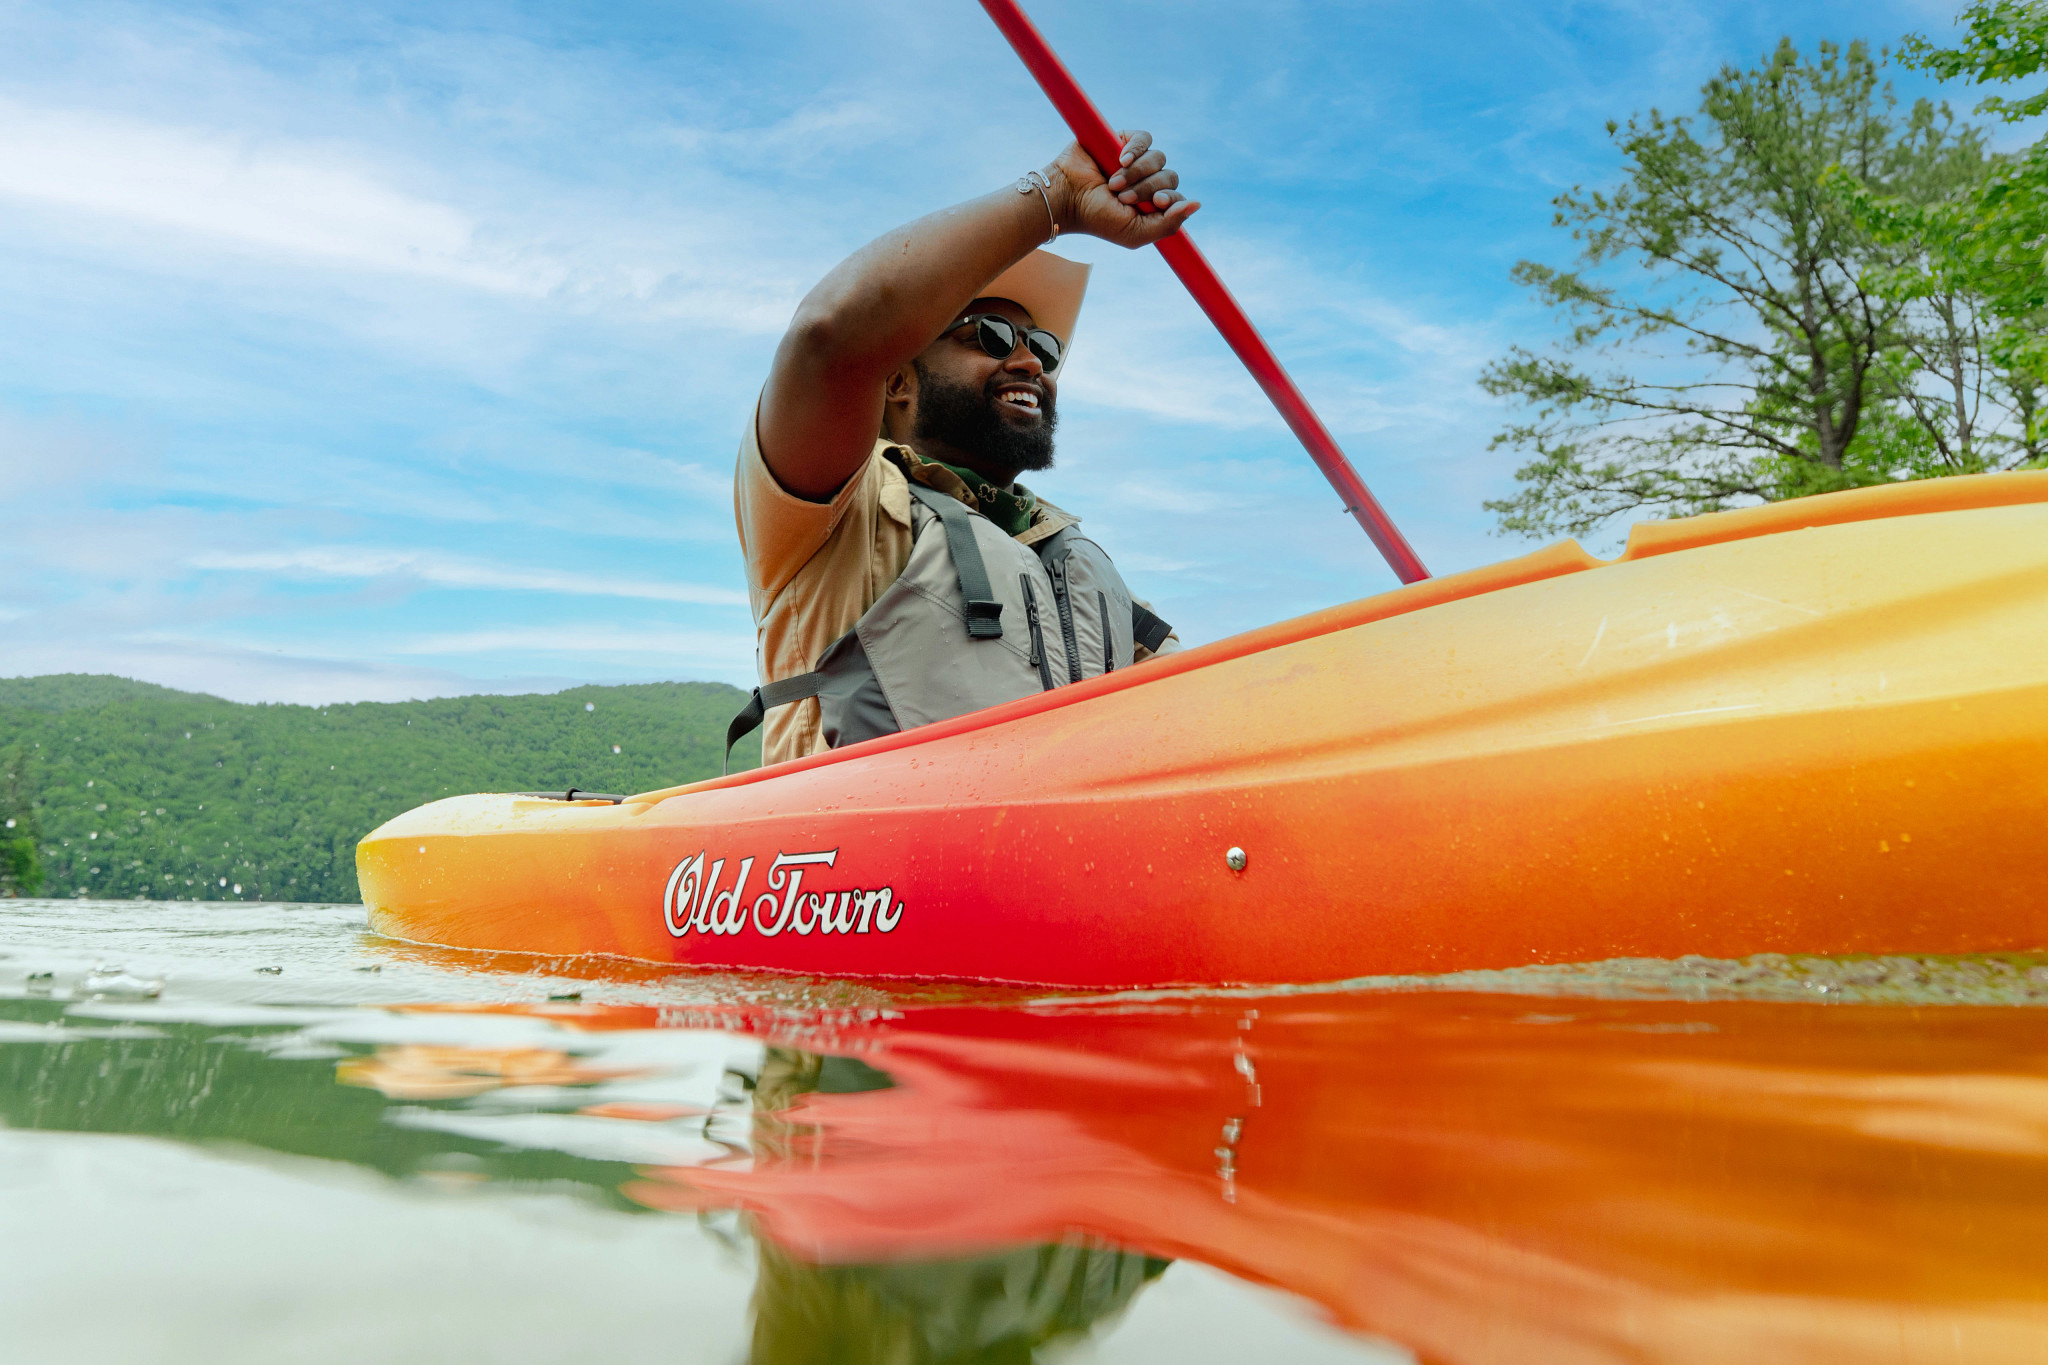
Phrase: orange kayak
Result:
[1818,726]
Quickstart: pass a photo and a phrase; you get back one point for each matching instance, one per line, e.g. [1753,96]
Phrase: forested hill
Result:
[127,789]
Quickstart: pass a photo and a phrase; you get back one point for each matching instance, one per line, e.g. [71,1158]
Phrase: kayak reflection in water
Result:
[999,1307]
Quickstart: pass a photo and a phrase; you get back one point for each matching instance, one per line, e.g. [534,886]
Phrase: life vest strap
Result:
[984,613]
[1147,629]
[766,698]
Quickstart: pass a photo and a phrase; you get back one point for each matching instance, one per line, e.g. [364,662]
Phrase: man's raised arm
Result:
[885,303]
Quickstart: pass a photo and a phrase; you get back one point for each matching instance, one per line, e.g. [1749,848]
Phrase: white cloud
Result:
[41,455]
[1173,497]
[708,649]
[449,571]
[240,673]
[1137,561]
[1367,352]
[335,206]
[806,135]
[260,191]
[1118,375]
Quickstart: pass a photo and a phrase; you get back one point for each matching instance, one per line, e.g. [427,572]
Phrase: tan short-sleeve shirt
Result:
[812,569]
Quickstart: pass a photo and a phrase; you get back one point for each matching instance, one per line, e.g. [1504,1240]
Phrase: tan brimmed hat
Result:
[1048,287]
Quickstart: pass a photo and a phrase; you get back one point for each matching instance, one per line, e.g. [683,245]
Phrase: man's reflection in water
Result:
[994,1308]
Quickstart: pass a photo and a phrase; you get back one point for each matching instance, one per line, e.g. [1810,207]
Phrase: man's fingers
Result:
[1177,215]
[1149,228]
[1145,200]
[1137,170]
[1150,186]
[1148,164]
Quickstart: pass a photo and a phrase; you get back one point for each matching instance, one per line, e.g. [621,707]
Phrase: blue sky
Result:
[364,351]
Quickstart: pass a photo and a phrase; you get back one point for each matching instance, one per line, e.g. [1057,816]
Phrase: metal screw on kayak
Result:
[1236,859]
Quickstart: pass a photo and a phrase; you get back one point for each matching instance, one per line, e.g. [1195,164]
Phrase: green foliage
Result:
[1990,239]
[2006,41]
[71,691]
[1759,351]
[21,866]
[169,795]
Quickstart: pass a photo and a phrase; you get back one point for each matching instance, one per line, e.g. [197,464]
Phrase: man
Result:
[903,579]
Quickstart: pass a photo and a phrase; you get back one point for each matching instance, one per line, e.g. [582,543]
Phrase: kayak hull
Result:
[1823,733]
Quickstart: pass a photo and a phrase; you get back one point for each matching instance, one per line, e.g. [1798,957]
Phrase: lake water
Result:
[234,1132]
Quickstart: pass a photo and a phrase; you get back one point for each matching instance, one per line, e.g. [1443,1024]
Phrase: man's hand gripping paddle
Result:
[1100,141]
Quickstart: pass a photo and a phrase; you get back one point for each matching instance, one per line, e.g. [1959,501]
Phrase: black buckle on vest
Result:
[985,620]
[984,613]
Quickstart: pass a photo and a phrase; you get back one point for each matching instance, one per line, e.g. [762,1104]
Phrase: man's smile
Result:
[1021,397]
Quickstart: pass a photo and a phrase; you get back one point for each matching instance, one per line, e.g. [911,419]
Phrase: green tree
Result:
[142,791]
[1750,356]
[21,870]
[1990,239]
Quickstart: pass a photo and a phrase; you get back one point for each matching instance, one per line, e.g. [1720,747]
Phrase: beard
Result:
[966,419]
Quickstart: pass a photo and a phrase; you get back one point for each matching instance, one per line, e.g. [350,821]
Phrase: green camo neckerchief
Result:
[1011,508]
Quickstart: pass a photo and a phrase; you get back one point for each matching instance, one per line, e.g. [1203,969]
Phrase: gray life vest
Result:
[976,618]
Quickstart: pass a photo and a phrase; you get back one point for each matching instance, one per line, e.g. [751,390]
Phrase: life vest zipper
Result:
[1108,636]
[1065,601]
[1037,635]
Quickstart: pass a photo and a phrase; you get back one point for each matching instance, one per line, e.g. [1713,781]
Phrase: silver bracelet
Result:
[1036,180]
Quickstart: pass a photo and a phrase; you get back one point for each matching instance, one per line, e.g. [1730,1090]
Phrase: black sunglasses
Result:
[997,336]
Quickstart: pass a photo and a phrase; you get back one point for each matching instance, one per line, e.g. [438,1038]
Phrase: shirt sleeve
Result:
[779,531]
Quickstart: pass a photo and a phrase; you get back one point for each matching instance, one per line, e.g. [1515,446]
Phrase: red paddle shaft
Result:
[1100,141]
